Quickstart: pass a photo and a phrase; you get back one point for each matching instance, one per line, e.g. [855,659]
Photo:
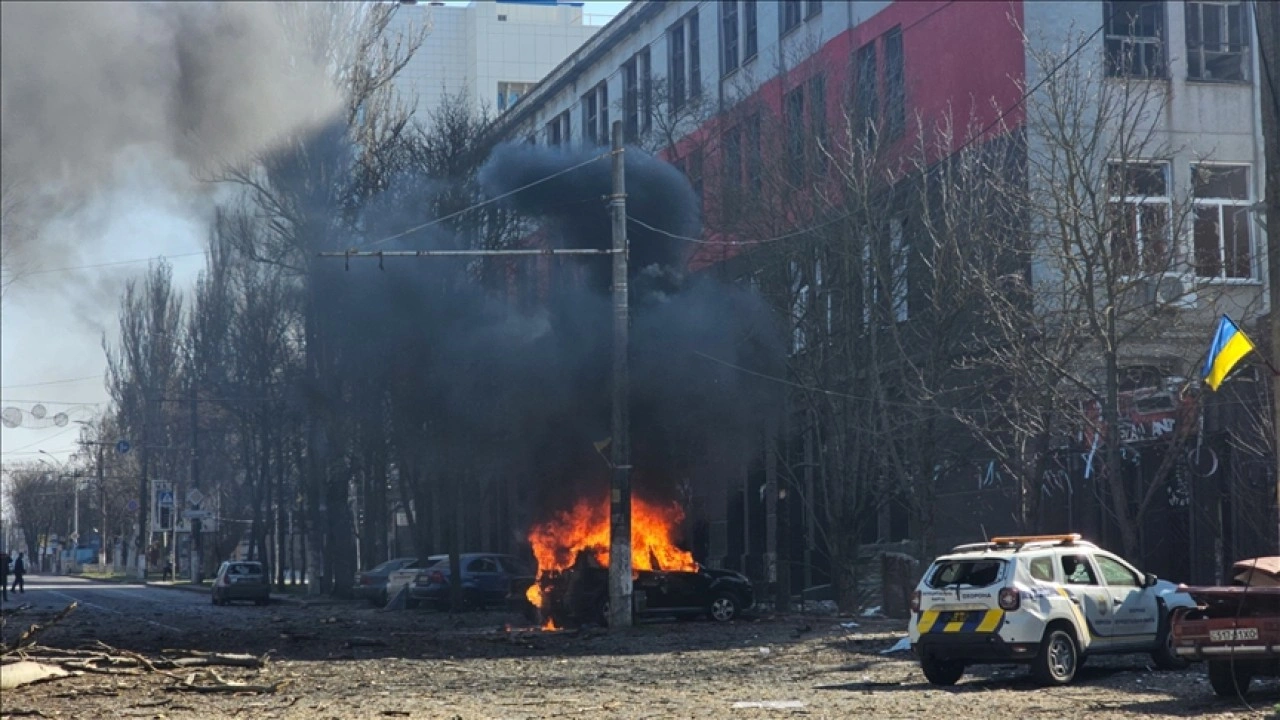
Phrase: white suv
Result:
[1046,600]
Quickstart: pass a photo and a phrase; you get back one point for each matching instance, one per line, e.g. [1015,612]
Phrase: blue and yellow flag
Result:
[1230,345]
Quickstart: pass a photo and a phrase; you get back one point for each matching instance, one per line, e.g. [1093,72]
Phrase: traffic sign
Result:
[123,447]
[194,496]
[132,506]
[164,498]
[197,514]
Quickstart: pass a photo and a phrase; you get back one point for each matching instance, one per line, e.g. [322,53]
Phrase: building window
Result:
[866,95]
[684,65]
[591,118]
[1223,232]
[1138,220]
[558,130]
[630,100]
[728,36]
[818,148]
[750,42]
[676,67]
[895,93]
[510,92]
[1135,38]
[789,14]
[732,163]
[899,271]
[646,90]
[812,8]
[1217,41]
[793,107]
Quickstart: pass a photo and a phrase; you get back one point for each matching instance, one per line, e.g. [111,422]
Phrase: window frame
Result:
[790,16]
[1243,205]
[1122,66]
[730,38]
[750,31]
[1098,561]
[1196,51]
[1139,201]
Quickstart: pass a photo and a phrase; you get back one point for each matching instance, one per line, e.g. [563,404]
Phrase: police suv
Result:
[1046,600]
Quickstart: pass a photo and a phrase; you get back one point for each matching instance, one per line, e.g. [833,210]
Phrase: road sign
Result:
[194,496]
[132,506]
[75,537]
[164,498]
[123,447]
[197,514]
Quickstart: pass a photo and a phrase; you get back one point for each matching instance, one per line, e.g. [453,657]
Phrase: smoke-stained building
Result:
[692,80]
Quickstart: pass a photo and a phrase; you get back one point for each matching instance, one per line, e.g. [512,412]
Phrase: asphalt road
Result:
[162,611]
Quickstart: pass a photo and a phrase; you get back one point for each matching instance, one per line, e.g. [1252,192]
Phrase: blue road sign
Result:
[123,446]
[165,498]
[133,506]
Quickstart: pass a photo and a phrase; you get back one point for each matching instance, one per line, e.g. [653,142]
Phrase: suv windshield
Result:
[971,573]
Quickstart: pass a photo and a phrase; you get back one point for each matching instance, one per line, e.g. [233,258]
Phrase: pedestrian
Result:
[4,576]
[19,569]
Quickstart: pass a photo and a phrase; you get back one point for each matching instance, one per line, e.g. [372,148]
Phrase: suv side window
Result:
[1076,570]
[1116,574]
[1042,569]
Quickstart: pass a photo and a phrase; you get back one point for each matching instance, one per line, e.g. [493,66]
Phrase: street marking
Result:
[96,606]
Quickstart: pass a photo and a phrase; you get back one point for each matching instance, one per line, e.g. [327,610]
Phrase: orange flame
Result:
[557,542]
[549,625]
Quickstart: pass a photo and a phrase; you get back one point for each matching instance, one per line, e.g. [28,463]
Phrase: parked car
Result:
[1235,628]
[1049,601]
[403,578]
[372,584]
[486,581]
[580,594]
[241,580]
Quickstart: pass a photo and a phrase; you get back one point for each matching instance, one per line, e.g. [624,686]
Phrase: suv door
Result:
[1135,616]
[1082,581]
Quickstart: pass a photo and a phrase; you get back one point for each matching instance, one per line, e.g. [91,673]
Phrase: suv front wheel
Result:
[1058,659]
[941,672]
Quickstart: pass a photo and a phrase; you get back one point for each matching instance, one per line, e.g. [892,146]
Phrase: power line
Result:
[51,382]
[109,264]
[489,201]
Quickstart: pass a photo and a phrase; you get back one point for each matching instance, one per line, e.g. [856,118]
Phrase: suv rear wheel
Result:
[1058,659]
[941,672]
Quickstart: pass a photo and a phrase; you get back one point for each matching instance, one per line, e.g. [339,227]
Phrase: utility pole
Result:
[620,497]
[102,505]
[197,572]
[1267,29]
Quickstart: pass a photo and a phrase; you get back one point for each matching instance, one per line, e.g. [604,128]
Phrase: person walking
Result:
[4,576]
[19,569]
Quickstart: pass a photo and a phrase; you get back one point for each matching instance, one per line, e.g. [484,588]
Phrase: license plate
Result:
[1234,634]
[959,616]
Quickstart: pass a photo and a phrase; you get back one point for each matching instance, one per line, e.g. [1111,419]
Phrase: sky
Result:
[54,316]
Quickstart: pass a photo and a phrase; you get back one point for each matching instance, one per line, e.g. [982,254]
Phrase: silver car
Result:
[241,580]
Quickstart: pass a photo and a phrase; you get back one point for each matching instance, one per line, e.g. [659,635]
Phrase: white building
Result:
[496,51]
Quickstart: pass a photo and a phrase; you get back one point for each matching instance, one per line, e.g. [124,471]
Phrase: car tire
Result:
[944,673]
[1229,679]
[1163,655]
[1058,659]
[214,599]
[724,607]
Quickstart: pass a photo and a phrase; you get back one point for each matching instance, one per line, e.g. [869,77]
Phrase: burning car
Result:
[572,583]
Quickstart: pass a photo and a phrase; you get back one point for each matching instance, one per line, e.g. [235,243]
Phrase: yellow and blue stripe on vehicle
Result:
[958,621]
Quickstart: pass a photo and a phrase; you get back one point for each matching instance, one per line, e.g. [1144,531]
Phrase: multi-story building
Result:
[1162,94]
[495,51]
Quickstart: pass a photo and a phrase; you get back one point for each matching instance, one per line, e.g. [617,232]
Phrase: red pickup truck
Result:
[1235,629]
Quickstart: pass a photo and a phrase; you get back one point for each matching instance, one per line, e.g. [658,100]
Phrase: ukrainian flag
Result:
[1229,347]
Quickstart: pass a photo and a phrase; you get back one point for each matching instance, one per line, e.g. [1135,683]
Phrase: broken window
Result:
[684,63]
[595,115]
[1135,38]
[1138,218]
[1223,231]
[1217,41]
[630,100]
[645,69]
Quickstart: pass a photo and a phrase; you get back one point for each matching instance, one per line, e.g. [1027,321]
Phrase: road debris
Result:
[28,672]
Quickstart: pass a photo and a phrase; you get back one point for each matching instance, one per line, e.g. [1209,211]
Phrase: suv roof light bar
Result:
[1064,539]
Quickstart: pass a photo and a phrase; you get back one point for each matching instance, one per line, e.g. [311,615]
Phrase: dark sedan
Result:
[486,581]
[371,585]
